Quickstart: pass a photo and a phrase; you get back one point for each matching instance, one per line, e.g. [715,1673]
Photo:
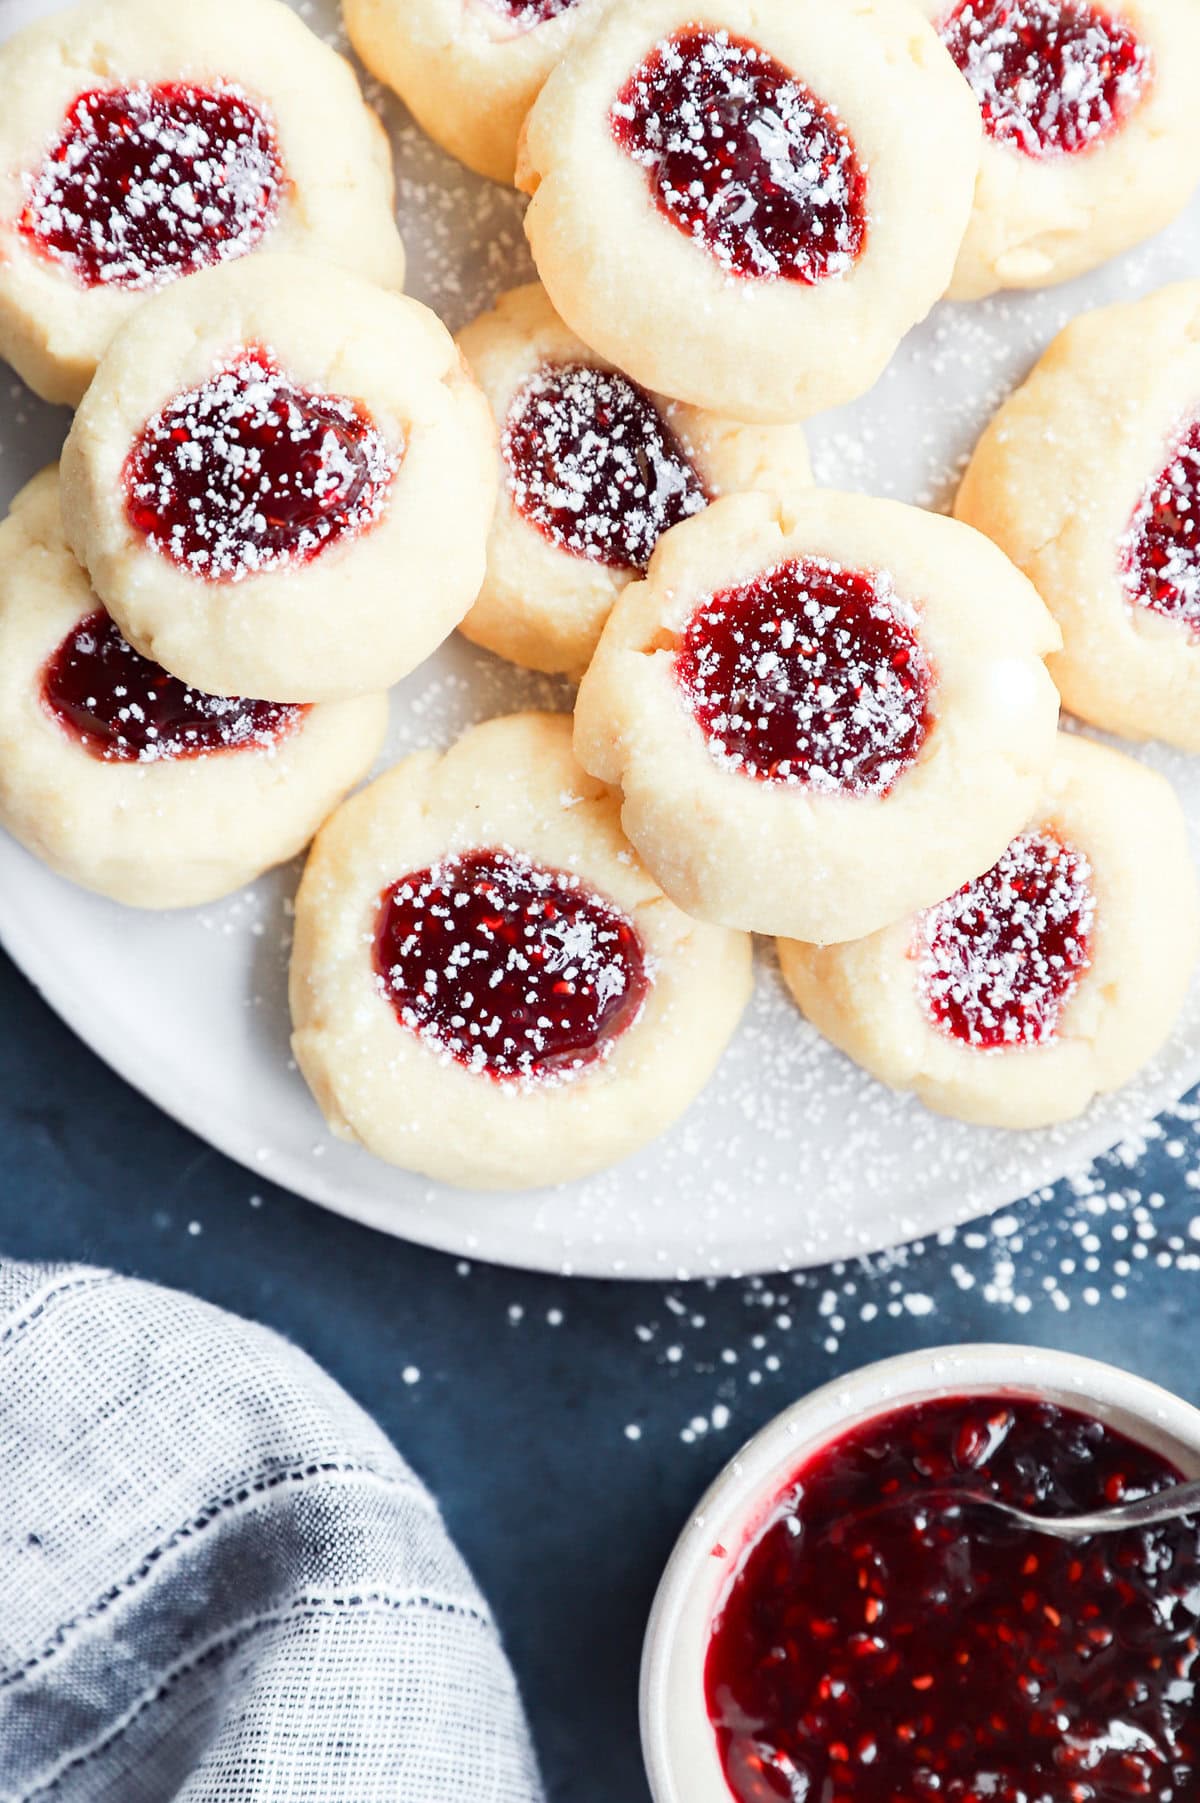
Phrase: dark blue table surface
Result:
[568,1427]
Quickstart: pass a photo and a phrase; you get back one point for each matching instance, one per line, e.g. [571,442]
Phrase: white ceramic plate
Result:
[792,1156]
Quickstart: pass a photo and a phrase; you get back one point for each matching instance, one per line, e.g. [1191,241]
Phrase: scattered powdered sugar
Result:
[1052,77]
[145,184]
[247,472]
[593,464]
[743,158]
[792,1154]
[999,960]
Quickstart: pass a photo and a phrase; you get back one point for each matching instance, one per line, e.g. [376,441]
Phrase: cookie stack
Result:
[819,717]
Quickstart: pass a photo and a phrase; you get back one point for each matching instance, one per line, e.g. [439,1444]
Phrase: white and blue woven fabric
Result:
[218,1581]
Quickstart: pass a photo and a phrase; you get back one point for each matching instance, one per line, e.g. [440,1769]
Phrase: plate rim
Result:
[539,1252]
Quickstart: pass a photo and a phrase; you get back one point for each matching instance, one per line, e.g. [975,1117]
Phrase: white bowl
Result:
[677,1738]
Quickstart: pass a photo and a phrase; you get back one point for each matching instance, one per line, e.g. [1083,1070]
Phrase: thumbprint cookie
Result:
[281,482]
[822,712]
[593,470]
[487,985]
[143,142]
[1047,980]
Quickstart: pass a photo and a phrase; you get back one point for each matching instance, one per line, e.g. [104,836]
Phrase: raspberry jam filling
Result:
[1000,959]
[743,158]
[144,184]
[810,674]
[123,709]
[878,1644]
[1161,553]
[513,969]
[249,472]
[1052,77]
[595,467]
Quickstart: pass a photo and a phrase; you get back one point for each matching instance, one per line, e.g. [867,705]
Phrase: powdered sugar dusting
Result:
[145,184]
[743,158]
[1052,77]
[1000,959]
[592,463]
[812,674]
[793,1154]
[248,472]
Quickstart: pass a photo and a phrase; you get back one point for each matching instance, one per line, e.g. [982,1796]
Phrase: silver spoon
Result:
[1164,1505]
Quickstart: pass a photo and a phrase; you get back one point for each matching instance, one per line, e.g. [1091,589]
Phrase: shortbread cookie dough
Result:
[281,482]
[118,775]
[468,70]
[1089,478]
[1091,130]
[593,470]
[486,984]
[1048,980]
[141,142]
[823,712]
[748,212]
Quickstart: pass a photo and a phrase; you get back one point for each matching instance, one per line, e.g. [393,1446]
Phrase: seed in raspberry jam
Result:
[1161,553]
[1052,77]
[515,970]
[1000,960]
[145,184]
[881,1642]
[123,709]
[249,472]
[811,674]
[743,158]
[595,467]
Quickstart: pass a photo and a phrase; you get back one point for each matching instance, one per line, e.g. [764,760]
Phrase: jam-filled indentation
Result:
[1000,959]
[1052,77]
[122,708]
[810,674]
[1160,555]
[743,158]
[249,471]
[513,969]
[145,184]
[594,466]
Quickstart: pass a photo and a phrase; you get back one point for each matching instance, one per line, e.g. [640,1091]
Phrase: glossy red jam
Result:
[810,674]
[144,184]
[248,472]
[1161,554]
[513,969]
[743,158]
[877,1645]
[1000,959]
[594,465]
[1052,77]
[123,709]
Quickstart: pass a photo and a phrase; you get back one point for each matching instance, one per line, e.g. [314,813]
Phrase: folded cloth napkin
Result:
[218,1581]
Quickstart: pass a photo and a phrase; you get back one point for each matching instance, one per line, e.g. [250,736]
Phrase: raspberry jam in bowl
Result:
[835,1626]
